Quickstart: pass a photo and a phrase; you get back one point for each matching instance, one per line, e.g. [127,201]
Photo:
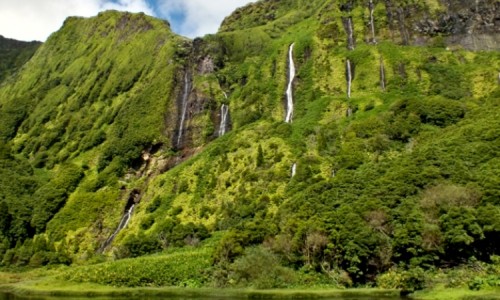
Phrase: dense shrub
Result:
[260,268]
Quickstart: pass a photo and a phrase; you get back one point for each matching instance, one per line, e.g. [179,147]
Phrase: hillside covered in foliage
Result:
[14,54]
[333,142]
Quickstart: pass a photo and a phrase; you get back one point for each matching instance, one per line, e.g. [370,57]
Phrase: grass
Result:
[48,286]
[51,287]
[457,293]
[49,283]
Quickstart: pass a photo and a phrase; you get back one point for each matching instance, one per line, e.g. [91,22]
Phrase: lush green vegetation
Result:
[14,54]
[397,186]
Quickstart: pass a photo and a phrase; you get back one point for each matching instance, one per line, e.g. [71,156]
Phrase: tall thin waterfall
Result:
[350,34]
[289,91]
[382,75]
[372,21]
[294,170]
[185,96]
[123,223]
[224,111]
[348,69]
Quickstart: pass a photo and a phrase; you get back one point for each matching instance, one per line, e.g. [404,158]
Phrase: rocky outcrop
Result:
[197,107]
[472,24]
[475,25]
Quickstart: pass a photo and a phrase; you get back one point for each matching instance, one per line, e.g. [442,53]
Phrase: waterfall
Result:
[333,173]
[382,75]
[224,111]
[294,169]
[123,223]
[289,92]
[185,96]
[125,219]
[348,68]
[350,34]
[372,21]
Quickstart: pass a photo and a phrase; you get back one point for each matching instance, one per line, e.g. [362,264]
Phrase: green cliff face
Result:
[390,158]
[14,54]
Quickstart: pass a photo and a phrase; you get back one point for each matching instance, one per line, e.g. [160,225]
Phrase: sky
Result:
[29,20]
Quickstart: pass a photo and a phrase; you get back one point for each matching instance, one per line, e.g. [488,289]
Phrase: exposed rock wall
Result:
[473,24]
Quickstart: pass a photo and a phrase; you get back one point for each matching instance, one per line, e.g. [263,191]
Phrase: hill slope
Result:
[125,139]
[13,54]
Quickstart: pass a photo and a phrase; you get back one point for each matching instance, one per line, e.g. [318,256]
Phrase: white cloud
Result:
[201,16]
[128,5]
[37,19]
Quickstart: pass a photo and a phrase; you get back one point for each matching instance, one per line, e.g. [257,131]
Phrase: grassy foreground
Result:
[457,293]
[45,283]
[61,289]
[188,272]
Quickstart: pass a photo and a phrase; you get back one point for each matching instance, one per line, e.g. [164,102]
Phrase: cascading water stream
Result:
[123,223]
[125,219]
[382,75]
[224,111]
[185,96]
[348,68]
[294,170]
[350,34]
[289,89]
[372,21]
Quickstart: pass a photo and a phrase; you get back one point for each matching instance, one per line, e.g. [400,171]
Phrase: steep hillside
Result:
[339,140]
[13,54]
